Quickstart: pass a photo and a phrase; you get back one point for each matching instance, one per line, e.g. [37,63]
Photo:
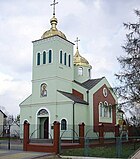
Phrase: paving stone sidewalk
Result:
[136,155]
[4,154]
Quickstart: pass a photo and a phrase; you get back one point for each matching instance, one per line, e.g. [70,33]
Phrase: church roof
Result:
[89,84]
[5,116]
[79,60]
[53,30]
[74,98]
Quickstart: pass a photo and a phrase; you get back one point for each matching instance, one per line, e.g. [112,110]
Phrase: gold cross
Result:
[53,4]
[77,40]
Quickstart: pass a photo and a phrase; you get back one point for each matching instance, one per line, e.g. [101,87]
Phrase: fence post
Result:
[130,132]
[101,133]
[26,135]
[117,133]
[56,136]
[81,134]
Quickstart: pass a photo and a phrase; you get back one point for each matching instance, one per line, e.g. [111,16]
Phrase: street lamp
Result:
[9,123]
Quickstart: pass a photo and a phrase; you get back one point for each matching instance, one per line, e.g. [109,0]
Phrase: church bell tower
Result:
[52,62]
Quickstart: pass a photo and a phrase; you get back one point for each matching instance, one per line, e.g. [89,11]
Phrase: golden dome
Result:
[53,31]
[79,60]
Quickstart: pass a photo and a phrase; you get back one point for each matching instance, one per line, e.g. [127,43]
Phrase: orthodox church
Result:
[62,88]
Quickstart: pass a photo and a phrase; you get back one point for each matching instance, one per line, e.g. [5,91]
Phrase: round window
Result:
[105,93]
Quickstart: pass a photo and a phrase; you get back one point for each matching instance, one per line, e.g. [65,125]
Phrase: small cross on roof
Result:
[53,4]
[77,40]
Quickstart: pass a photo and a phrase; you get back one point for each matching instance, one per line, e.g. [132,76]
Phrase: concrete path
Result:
[75,157]
[136,155]
[4,154]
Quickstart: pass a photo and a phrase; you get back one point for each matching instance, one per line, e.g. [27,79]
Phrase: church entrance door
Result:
[46,128]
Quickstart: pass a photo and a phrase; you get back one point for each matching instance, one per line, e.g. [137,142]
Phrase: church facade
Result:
[62,88]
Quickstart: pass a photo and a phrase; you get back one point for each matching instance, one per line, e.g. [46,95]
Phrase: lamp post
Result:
[9,123]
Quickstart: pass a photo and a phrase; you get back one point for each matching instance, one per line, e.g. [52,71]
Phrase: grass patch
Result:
[108,151]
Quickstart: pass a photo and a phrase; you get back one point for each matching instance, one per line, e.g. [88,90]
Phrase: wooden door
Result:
[46,128]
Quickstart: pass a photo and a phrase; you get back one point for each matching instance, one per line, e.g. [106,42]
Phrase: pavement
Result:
[136,155]
[10,154]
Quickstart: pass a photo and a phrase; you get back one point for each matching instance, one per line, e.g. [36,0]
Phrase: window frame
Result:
[61,57]
[65,125]
[105,118]
[44,57]
[65,59]
[50,56]
[80,71]
[69,60]
[38,58]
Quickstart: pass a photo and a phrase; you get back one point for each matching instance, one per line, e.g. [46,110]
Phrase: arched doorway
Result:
[43,124]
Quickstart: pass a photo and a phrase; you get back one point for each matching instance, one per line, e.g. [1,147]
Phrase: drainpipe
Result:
[88,97]
[73,121]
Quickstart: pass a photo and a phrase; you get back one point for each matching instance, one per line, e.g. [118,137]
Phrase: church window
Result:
[89,72]
[105,93]
[110,111]
[69,58]
[61,57]
[105,110]
[80,71]
[65,59]
[43,90]
[50,56]
[42,112]
[44,57]
[63,124]
[101,109]
[38,59]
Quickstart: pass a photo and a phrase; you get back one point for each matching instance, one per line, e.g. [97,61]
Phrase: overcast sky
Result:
[97,23]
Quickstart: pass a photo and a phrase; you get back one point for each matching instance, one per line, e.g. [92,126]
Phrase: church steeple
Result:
[82,68]
[78,59]
[54,21]
[53,31]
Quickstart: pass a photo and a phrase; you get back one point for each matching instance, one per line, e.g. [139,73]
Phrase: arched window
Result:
[43,90]
[110,111]
[80,71]
[69,60]
[65,59]
[106,109]
[38,59]
[63,124]
[61,57]
[43,112]
[50,56]
[89,72]
[101,109]
[44,57]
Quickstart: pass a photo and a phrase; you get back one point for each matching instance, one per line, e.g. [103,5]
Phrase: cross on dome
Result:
[77,40]
[53,4]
